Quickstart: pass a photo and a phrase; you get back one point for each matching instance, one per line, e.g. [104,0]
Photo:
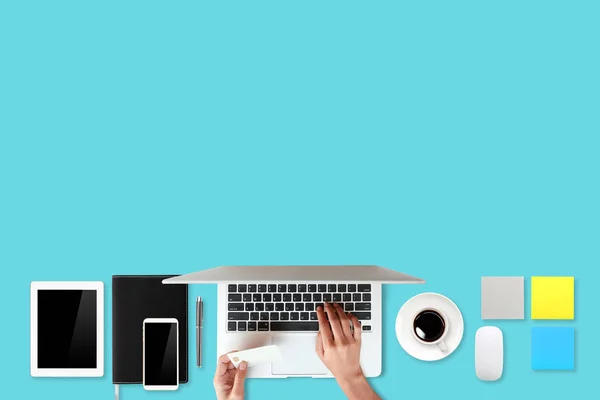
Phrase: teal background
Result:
[446,139]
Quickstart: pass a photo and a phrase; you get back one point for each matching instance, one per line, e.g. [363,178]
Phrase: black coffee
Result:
[429,325]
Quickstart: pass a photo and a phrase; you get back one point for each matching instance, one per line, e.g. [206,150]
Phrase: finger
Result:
[344,321]
[334,321]
[319,345]
[238,381]
[324,328]
[357,327]
[223,364]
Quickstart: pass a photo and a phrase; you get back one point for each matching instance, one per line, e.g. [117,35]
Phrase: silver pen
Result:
[199,319]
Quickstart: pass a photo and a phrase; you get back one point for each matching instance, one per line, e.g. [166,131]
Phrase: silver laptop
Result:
[263,305]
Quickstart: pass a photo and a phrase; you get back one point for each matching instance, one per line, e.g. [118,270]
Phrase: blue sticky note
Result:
[553,349]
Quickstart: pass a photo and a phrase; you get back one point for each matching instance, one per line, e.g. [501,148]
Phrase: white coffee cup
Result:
[430,327]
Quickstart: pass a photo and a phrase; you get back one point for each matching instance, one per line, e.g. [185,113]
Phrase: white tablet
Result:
[67,329]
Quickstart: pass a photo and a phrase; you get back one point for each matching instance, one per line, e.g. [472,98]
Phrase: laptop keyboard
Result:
[292,307]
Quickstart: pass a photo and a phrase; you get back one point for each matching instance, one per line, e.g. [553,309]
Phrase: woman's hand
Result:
[229,380]
[338,346]
[338,343]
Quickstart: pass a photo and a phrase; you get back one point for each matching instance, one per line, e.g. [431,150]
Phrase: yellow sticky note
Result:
[552,297]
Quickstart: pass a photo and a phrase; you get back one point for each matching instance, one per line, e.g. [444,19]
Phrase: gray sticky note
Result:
[503,297]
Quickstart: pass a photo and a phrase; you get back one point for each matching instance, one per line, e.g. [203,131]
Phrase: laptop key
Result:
[284,316]
[322,288]
[232,288]
[341,287]
[366,327]
[295,326]
[303,316]
[235,307]
[249,306]
[349,307]
[272,288]
[352,287]
[262,288]
[306,297]
[287,297]
[297,297]
[366,296]
[292,287]
[313,316]
[331,287]
[238,316]
[263,326]
[356,297]
[327,297]
[241,326]
[299,307]
[234,297]
[277,297]
[294,316]
[231,326]
[364,287]
[264,316]
[251,326]
[309,307]
[347,297]
[269,307]
[252,288]
[317,297]
[337,297]
[260,306]
[254,316]
[267,297]
[302,288]
[242,287]
[279,307]
[362,315]
[362,306]
[317,305]
[312,288]
[274,316]
[289,306]
[247,297]
[256,297]
[281,288]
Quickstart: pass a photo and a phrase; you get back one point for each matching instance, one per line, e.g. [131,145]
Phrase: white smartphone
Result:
[160,354]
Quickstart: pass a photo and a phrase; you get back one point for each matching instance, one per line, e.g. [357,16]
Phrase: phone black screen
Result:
[160,364]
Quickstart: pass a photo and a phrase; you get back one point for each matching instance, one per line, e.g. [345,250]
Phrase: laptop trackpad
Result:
[298,356]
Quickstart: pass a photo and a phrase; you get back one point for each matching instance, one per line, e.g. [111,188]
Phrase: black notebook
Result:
[135,298]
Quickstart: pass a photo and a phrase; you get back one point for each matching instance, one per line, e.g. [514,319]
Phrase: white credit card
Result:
[256,356]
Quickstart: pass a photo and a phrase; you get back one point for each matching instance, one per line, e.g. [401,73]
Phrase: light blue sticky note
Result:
[553,349]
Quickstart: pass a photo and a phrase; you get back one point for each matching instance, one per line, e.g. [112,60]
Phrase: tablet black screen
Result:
[67,329]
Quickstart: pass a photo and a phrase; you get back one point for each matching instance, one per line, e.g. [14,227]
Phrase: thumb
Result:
[319,346]
[238,381]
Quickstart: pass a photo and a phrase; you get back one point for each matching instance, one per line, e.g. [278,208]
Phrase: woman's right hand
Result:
[338,346]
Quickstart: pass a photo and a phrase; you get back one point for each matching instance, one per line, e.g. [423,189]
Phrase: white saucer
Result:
[404,326]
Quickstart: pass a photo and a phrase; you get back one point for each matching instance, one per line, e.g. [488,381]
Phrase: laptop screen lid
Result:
[290,273]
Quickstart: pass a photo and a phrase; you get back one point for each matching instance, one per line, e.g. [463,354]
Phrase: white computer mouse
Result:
[489,353]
